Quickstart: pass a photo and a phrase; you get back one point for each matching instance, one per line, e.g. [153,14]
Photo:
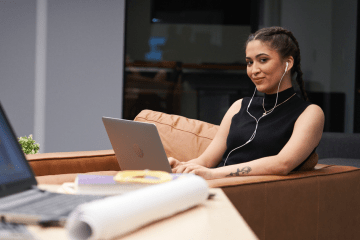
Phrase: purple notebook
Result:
[106,185]
[85,179]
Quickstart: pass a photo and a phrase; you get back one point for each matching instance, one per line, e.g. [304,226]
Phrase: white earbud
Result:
[287,64]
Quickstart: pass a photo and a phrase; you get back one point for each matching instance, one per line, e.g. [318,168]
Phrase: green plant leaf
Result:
[28,145]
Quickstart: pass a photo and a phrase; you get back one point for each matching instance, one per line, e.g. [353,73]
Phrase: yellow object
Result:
[140,177]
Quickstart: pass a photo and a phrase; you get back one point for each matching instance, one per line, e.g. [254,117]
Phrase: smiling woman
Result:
[270,135]
[265,67]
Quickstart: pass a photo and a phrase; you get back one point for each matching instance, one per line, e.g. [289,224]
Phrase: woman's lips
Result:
[257,79]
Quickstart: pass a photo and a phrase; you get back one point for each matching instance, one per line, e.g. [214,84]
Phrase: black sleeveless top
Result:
[273,132]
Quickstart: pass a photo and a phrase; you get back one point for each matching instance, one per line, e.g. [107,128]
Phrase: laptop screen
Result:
[13,165]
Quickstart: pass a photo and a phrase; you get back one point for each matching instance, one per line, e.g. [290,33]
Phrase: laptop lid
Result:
[137,145]
[16,174]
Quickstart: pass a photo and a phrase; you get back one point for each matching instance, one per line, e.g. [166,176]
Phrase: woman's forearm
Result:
[199,161]
[212,155]
[262,166]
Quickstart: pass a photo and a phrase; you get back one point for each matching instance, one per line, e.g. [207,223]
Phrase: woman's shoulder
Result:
[308,106]
[254,100]
[312,113]
[314,109]
[300,104]
[236,106]
[242,103]
[238,103]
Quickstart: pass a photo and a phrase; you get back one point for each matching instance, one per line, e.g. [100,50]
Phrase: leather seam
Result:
[175,128]
[290,179]
[318,208]
[69,158]
[265,220]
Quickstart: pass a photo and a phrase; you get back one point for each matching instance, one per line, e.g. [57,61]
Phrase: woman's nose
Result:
[255,69]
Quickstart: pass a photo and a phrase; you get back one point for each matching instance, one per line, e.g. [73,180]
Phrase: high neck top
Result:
[269,99]
[274,129]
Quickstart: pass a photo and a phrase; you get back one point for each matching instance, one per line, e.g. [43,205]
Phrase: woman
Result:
[270,135]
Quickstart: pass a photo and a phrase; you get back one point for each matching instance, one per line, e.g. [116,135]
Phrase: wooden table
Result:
[216,219]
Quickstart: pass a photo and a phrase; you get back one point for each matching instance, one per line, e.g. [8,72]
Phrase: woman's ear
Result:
[290,61]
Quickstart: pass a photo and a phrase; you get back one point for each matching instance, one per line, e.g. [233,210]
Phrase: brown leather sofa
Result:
[317,202]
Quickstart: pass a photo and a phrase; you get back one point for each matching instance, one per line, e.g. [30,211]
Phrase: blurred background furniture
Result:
[339,149]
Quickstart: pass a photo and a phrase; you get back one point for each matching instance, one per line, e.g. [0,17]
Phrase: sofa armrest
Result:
[72,162]
[316,204]
[319,170]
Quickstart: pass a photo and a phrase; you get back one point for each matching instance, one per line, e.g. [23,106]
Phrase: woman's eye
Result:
[248,63]
[263,60]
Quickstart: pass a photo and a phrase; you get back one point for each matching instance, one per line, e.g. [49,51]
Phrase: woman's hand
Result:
[174,162]
[204,172]
[187,167]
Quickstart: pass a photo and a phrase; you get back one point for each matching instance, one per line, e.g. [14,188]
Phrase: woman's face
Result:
[265,68]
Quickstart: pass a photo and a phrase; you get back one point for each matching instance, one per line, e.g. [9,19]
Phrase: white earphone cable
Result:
[257,120]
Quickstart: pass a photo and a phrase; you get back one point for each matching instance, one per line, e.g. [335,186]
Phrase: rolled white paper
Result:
[114,216]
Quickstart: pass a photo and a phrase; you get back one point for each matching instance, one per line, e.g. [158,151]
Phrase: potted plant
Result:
[28,145]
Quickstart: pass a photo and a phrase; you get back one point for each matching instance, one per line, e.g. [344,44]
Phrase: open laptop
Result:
[20,199]
[137,145]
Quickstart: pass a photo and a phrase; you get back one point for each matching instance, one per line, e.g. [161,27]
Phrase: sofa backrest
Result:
[183,138]
[339,145]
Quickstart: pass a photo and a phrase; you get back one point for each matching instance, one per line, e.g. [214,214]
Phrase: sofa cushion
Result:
[182,138]
[309,163]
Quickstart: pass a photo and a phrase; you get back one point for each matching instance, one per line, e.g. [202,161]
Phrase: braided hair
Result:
[284,42]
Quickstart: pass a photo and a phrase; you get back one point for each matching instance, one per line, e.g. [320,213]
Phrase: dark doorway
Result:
[357,76]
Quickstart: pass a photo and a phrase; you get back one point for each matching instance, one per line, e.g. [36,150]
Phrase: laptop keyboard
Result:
[12,231]
[57,204]
[19,198]
[40,203]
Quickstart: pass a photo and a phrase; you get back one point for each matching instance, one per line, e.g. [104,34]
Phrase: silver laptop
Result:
[20,199]
[137,145]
